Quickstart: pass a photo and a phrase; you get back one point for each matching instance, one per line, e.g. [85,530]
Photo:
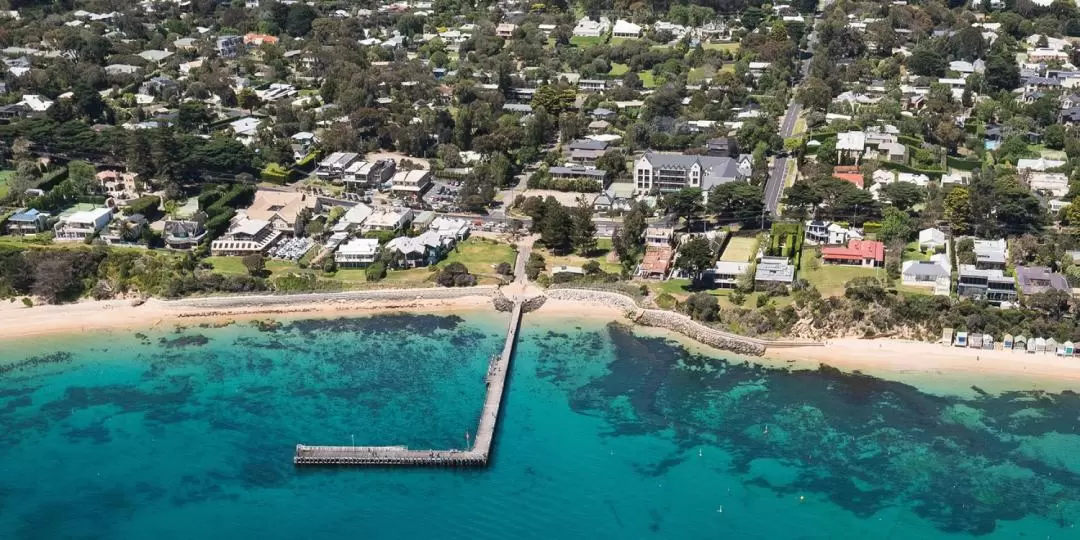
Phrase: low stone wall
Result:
[698,332]
[239,301]
[533,304]
[604,298]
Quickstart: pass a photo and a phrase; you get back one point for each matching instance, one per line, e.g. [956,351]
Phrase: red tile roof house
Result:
[869,253]
[850,173]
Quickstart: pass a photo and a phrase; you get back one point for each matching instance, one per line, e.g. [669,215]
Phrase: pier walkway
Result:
[400,456]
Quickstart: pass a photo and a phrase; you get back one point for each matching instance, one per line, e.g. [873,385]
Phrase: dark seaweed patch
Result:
[194,340]
[862,442]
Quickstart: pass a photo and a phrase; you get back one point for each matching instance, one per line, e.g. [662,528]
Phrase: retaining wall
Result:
[434,293]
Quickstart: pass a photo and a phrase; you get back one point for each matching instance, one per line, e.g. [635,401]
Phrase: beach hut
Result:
[1007,342]
[988,342]
[1051,345]
[961,339]
[946,336]
[1020,343]
[1040,345]
[1070,349]
[975,340]
[1033,344]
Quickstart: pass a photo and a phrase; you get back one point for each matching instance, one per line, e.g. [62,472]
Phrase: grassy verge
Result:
[481,255]
[4,177]
[729,47]
[603,247]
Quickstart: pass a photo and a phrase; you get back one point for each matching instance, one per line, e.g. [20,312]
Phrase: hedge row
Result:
[962,164]
[909,169]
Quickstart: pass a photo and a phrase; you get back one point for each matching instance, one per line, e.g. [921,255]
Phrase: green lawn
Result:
[730,68]
[618,70]
[912,253]
[647,79]
[696,75]
[829,279]
[481,255]
[585,42]
[603,247]
[4,177]
[740,248]
[729,47]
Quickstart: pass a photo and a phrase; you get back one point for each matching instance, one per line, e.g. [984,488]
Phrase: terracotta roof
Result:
[849,173]
[856,249]
[657,259]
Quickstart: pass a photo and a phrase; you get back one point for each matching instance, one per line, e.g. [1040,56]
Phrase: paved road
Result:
[774,187]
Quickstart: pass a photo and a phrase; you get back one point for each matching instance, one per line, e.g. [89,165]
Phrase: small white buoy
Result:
[720,510]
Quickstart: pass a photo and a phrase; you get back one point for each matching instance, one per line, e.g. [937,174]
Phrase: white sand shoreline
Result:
[926,365]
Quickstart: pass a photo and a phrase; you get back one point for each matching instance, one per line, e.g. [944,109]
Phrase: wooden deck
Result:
[401,456]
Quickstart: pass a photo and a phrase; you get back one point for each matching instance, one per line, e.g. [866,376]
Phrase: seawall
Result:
[676,322]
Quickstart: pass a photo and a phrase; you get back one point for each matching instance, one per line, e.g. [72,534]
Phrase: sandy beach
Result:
[927,365]
[18,321]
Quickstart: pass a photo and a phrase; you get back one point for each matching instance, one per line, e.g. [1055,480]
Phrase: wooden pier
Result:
[401,456]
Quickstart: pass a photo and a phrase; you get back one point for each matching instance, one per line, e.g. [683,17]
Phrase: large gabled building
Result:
[666,173]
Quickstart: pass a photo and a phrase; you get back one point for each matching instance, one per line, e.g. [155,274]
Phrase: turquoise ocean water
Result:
[190,434]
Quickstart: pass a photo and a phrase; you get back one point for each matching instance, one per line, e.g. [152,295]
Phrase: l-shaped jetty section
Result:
[401,456]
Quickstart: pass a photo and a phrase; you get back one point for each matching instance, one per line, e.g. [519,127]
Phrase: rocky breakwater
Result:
[700,333]
[604,298]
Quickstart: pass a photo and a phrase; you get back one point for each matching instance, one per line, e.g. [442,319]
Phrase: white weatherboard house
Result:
[82,225]
[358,252]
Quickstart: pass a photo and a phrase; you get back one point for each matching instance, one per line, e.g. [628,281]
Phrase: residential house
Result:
[587,27]
[411,184]
[626,30]
[656,264]
[722,147]
[245,129]
[849,173]
[1056,184]
[936,273]
[659,236]
[334,165]
[505,30]
[592,85]
[726,274]
[25,222]
[990,284]
[422,250]
[155,56]
[990,254]
[282,209]
[387,220]
[773,270]
[932,240]
[14,111]
[850,146]
[118,185]
[579,173]
[302,144]
[445,227]
[618,197]
[121,69]
[1038,279]
[83,224]
[245,237]
[256,40]
[1038,164]
[184,234]
[671,172]
[869,253]
[353,218]
[357,253]
[364,174]
[36,103]
[127,230]
[229,46]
